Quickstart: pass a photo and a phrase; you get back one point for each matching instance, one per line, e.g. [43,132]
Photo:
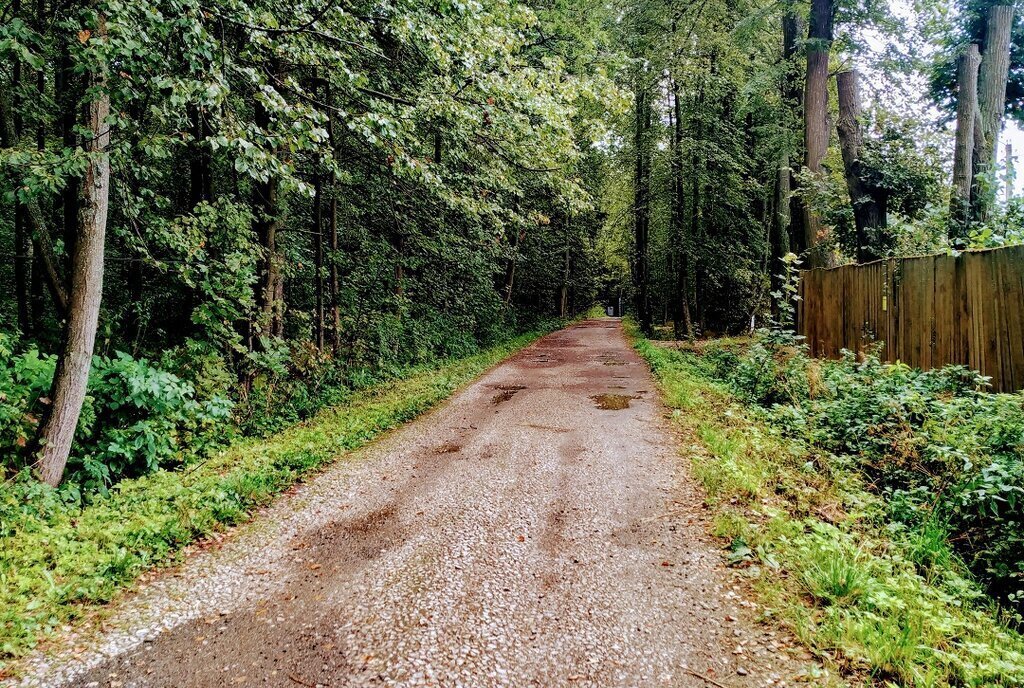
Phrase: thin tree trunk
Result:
[778,237]
[67,99]
[333,230]
[564,300]
[22,237]
[816,128]
[683,324]
[36,288]
[318,258]
[270,288]
[868,209]
[641,206]
[963,150]
[43,244]
[71,377]
[793,29]
[995,65]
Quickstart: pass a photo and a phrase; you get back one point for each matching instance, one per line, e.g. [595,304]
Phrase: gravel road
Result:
[539,529]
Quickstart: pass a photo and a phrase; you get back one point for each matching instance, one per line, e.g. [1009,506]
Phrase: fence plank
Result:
[928,311]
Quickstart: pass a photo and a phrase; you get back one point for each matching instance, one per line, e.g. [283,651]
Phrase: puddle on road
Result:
[611,402]
[505,393]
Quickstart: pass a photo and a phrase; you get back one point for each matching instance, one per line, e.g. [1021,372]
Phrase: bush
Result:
[136,416]
[946,455]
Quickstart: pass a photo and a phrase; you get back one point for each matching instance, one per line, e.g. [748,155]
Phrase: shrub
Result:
[948,456]
[135,418]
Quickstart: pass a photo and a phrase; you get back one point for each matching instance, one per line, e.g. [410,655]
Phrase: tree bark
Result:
[42,242]
[270,287]
[22,237]
[564,297]
[71,377]
[333,232]
[318,259]
[963,150]
[816,128]
[793,28]
[641,205]
[682,322]
[67,87]
[995,66]
[869,212]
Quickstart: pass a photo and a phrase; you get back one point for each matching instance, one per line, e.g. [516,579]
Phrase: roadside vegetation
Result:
[874,507]
[62,557]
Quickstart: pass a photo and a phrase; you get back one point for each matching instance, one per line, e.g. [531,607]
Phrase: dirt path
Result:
[520,535]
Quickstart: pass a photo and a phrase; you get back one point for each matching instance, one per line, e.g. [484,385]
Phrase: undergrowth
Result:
[59,559]
[881,598]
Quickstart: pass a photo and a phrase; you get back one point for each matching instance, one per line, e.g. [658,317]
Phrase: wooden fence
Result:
[929,311]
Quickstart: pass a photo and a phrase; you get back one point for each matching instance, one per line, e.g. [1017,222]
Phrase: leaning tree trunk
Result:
[966,118]
[868,209]
[72,374]
[816,128]
[992,76]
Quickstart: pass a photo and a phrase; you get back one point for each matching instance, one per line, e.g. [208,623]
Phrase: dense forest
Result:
[220,217]
[234,206]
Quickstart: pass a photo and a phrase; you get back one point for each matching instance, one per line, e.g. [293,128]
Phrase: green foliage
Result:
[947,456]
[59,558]
[879,598]
[137,417]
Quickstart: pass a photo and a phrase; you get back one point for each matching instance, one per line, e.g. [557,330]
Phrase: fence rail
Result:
[929,311]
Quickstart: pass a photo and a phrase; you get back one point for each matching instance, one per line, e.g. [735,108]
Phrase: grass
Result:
[59,564]
[875,605]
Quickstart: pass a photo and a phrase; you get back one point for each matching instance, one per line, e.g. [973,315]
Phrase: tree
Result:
[963,158]
[992,77]
[816,126]
[869,206]
[71,377]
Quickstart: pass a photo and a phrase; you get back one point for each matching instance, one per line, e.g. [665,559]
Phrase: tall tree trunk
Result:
[995,66]
[71,377]
[564,297]
[778,236]
[37,305]
[510,269]
[641,205]
[333,232]
[682,322]
[868,206]
[318,258]
[793,29]
[68,94]
[816,128]
[268,220]
[200,159]
[22,237]
[963,150]
[34,217]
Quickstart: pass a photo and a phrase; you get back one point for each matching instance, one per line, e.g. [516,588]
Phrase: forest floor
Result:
[539,529]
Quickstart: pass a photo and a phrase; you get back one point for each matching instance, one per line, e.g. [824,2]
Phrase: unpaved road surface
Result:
[525,533]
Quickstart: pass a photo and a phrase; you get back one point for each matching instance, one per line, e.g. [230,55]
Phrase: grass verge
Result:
[821,555]
[58,563]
